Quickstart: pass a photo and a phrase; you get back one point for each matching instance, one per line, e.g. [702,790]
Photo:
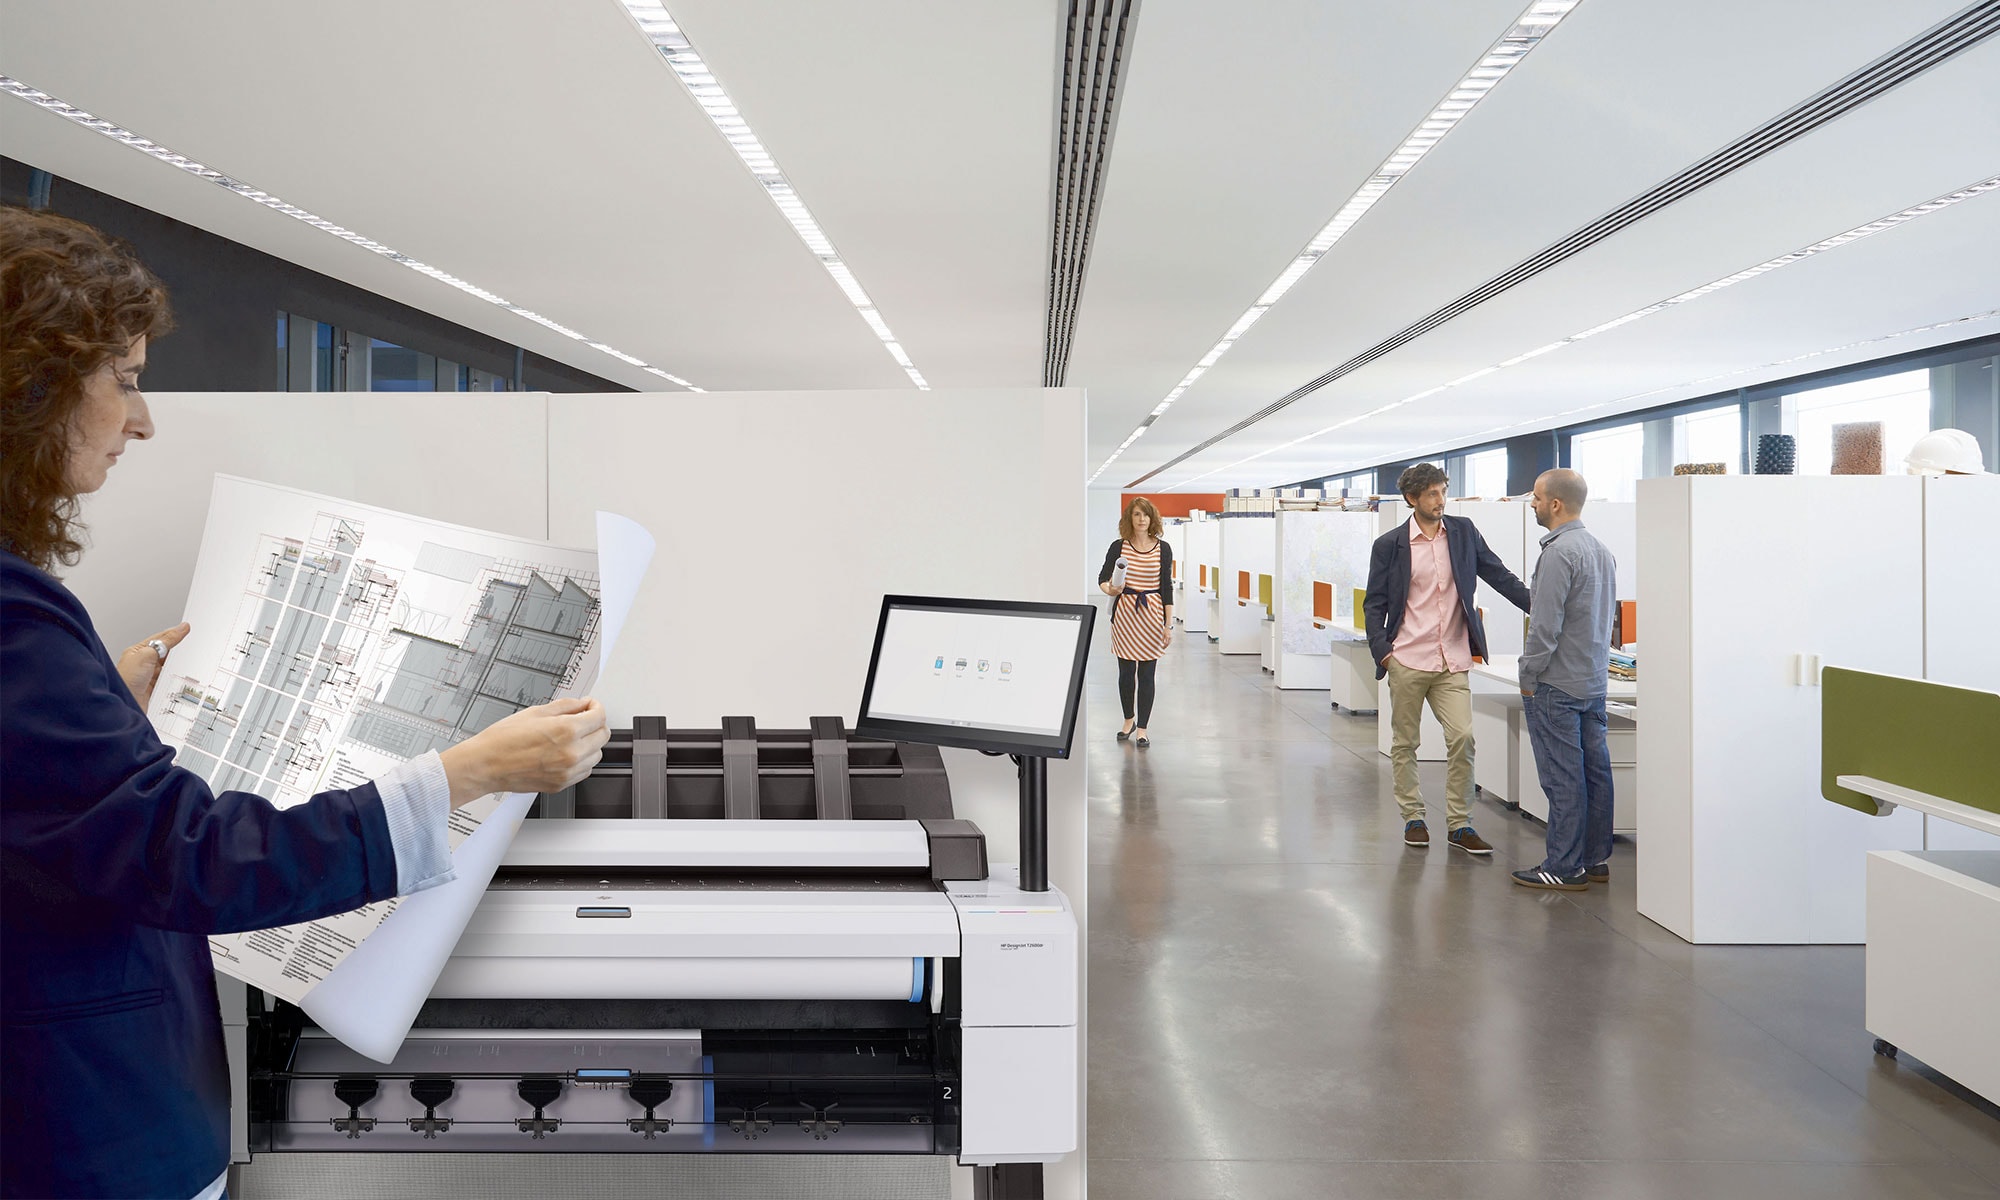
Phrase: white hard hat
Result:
[1946,452]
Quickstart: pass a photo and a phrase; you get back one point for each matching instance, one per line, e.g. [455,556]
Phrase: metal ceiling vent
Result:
[1094,49]
[1940,43]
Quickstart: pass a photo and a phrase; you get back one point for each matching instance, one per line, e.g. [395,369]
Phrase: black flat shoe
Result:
[1124,735]
[1142,743]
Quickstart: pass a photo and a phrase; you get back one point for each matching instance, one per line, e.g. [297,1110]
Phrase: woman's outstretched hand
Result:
[140,666]
[541,749]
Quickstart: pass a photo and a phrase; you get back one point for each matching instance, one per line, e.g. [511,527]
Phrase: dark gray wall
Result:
[226,298]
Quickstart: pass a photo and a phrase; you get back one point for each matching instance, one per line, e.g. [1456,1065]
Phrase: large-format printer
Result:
[732,940]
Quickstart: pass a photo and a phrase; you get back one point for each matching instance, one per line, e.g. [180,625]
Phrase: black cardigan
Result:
[1166,588]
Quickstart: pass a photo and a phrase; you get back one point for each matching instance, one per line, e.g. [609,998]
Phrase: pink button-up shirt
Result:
[1433,635]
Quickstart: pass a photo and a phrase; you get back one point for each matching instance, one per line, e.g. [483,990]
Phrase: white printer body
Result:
[851,978]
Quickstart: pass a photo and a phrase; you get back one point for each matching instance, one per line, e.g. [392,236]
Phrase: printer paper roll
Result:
[371,999]
[639,978]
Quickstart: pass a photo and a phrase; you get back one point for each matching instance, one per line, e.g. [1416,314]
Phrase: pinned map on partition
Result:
[333,640]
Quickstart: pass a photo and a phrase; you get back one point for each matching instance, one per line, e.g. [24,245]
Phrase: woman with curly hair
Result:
[115,864]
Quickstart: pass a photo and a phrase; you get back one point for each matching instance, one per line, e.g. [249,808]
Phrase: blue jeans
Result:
[1573,762]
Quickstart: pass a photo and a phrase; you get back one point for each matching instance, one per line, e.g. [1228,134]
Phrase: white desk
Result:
[1353,685]
[1505,765]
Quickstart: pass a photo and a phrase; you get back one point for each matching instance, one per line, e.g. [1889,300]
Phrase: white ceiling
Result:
[543,151]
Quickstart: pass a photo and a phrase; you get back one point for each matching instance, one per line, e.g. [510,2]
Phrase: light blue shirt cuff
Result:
[416,797]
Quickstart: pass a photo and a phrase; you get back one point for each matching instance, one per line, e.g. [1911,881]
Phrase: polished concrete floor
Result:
[1287,1002]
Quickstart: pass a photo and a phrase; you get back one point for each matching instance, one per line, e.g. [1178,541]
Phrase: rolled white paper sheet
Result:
[371,999]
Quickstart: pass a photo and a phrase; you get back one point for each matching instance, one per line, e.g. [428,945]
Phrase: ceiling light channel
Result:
[1891,221]
[701,83]
[1523,35]
[70,112]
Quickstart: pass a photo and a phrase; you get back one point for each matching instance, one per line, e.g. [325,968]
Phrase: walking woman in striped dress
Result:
[1142,609]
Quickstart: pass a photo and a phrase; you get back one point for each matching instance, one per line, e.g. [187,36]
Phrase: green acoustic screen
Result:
[1915,734]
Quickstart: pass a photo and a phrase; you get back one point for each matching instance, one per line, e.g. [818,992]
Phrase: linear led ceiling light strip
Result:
[1523,35]
[116,133]
[700,81]
[1838,240]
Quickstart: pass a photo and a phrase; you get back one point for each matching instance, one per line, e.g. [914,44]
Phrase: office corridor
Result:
[1285,1001]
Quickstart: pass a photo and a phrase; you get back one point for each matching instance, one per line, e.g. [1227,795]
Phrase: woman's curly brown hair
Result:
[1127,530]
[71,300]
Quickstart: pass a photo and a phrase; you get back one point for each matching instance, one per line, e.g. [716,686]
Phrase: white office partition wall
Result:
[1316,548]
[1197,609]
[1961,604]
[782,518]
[1616,524]
[1249,549]
[1175,536]
[1737,844]
[376,447]
[1102,510]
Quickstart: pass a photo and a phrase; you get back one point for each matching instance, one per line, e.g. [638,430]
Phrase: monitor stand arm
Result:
[1034,773]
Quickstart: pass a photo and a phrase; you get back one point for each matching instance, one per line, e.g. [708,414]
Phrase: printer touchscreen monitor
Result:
[998,675]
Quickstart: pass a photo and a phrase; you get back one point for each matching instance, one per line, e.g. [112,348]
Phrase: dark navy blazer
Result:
[114,864]
[1389,585]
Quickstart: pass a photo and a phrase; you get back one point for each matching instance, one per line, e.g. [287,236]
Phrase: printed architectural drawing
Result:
[341,664]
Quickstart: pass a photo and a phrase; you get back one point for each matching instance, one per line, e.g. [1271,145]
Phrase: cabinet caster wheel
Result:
[1885,1049]
[1513,806]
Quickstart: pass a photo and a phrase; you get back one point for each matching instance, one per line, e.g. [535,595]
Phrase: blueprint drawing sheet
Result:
[332,640]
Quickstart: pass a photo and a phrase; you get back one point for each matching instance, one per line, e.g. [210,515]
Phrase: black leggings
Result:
[1127,670]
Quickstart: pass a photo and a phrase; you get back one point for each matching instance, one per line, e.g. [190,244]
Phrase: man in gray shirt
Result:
[1564,669]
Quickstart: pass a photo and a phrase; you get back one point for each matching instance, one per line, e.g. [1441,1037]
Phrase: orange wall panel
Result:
[1175,504]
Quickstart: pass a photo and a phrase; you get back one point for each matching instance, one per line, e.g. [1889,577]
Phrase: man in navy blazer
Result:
[1424,631]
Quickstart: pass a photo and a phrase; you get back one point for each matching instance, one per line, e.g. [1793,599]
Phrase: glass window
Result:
[1902,403]
[1715,435]
[1610,461]
[1486,474]
[325,355]
[393,368]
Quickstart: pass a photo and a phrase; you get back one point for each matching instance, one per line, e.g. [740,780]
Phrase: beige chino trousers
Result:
[1450,697]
